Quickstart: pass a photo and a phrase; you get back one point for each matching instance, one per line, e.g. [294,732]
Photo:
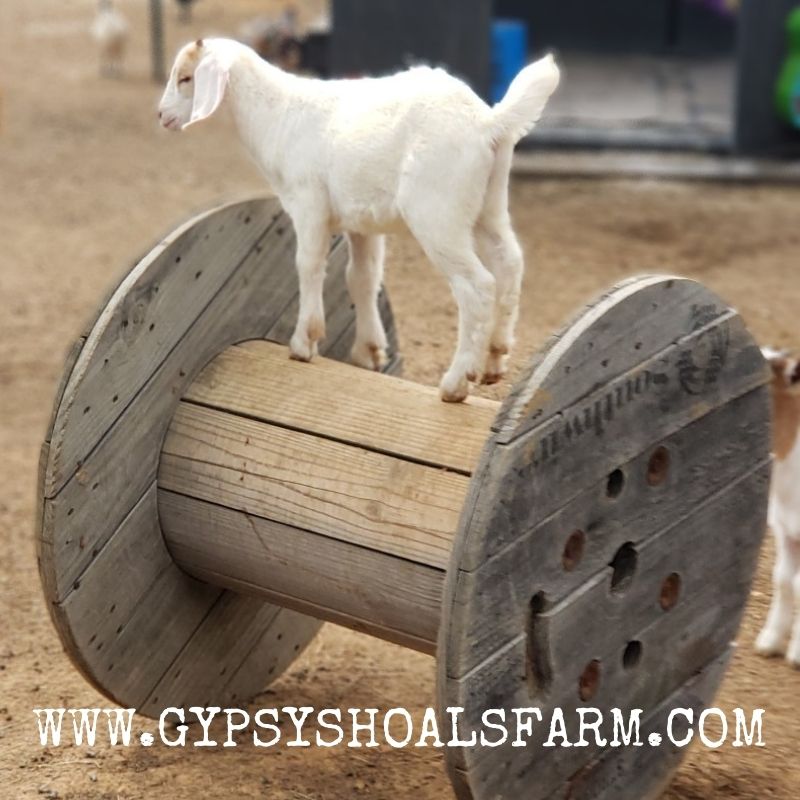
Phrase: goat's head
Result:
[196,84]
[785,389]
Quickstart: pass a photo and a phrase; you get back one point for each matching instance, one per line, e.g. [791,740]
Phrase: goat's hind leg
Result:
[499,249]
[474,289]
[364,278]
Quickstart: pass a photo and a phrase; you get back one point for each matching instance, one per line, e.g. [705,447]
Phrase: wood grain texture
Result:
[369,591]
[130,635]
[655,363]
[144,320]
[340,402]
[715,447]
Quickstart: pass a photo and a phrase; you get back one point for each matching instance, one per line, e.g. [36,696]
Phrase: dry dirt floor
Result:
[88,182]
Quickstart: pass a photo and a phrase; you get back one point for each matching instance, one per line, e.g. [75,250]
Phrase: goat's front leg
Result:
[772,639]
[313,240]
[364,278]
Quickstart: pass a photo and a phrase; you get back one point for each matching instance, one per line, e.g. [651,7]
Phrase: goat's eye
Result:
[186,79]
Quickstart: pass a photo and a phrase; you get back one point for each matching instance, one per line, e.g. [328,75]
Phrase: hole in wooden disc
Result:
[670,591]
[573,550]
[538,603]
[624,566]
[632,654]
[658,466]
[589,680]
[616,480]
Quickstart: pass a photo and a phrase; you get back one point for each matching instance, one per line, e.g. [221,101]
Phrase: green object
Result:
[787,91]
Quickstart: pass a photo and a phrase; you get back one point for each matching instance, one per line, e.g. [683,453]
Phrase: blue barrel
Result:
[509,54]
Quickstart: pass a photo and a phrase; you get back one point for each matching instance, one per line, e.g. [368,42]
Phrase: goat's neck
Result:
[259,95]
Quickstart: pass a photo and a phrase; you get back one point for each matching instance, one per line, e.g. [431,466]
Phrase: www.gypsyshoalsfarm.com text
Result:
[290,726]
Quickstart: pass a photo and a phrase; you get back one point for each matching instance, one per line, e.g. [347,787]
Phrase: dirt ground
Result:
[88,182]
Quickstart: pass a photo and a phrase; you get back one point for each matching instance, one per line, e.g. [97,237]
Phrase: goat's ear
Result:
[210,82]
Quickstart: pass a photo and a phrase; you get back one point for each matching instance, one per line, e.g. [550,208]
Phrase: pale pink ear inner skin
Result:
[210,81]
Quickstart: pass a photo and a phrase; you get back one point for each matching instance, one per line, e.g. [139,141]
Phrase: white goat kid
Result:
[784,512]
[365,156]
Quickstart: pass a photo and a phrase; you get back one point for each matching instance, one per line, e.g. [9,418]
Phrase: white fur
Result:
[781,632]
[367,156]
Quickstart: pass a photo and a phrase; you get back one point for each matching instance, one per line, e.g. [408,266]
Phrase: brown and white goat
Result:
[781,632]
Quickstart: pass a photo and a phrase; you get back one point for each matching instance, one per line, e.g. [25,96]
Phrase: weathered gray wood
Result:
[366,409]
[491,593]
[358,496]
[656,362]
[614,422]
[303,570]
[100,494]
[638,773]
[607,350]
[148,315]
[102,523]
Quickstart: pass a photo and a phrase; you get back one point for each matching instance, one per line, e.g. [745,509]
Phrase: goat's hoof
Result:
[453,397]
[368,356]
[769,644]
[491,378]
[302,353]
[496,365]
[302,348]
[454,390]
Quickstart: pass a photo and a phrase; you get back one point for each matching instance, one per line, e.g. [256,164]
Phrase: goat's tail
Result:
[520,109]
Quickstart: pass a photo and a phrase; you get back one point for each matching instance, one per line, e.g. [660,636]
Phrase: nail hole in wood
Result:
[87,409]
[632,654]
[589,681]
[615,483]
[538,603]
[658,466]
[573,550]
[670,591]
[624,567]
[115,398]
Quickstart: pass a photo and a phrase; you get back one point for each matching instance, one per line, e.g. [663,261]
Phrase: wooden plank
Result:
[341,402]
[614,422]
[617,332]
[491,592]
[359,587]
[593,618]
[404,638]
[95,499]
[632,773]
[369,499]
[147,316]
[669,659]
[229,631]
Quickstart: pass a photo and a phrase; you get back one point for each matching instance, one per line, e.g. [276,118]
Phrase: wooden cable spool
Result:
[591,541]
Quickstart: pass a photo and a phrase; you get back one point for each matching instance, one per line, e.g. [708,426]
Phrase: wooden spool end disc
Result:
[608,541]
[139,629]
